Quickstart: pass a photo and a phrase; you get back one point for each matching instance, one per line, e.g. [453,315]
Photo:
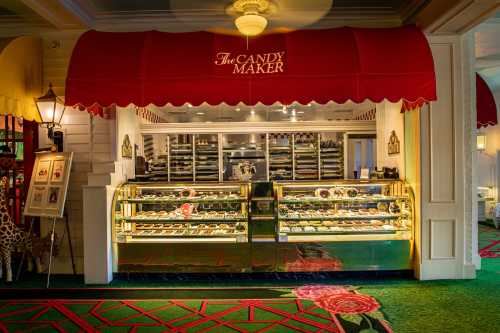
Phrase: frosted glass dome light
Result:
[251,24]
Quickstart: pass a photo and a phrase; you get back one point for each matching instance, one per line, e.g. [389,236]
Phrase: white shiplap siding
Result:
[89,144]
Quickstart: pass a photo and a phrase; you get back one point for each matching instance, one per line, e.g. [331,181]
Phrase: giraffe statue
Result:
[12,237]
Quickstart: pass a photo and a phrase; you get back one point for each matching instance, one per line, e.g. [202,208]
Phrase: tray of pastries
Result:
[335,226]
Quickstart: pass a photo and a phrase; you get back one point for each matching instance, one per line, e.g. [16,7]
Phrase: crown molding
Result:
[167,20]
[408,10]
[46,13]
[85,14]
[456,17]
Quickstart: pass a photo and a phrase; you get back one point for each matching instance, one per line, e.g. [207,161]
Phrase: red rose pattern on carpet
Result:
[489,242]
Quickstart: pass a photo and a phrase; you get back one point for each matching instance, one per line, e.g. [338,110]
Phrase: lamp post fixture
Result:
[51,110]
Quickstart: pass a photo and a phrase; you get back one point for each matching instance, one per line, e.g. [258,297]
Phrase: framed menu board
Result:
[49,185]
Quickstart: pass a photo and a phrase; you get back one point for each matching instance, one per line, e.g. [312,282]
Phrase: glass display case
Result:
[335,225]
[150,213]
[343,210]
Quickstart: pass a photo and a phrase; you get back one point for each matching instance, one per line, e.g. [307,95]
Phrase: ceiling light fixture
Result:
[251,22]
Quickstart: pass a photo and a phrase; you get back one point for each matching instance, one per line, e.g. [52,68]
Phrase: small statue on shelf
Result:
[244,171]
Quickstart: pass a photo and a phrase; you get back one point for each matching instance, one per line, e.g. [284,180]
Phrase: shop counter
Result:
[263,227]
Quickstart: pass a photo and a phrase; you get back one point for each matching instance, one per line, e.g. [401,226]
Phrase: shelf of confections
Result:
[192,219]
[167,238]
[184,232]
[339,231]
[358,199]
[332,159]
[207,161]
[280,156]
[342,217]
[183,200]
[181,161]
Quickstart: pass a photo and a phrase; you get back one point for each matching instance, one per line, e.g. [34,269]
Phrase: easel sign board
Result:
[49,185]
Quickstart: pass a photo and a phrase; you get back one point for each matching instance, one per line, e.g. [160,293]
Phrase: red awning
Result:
[485,104]
[303,66]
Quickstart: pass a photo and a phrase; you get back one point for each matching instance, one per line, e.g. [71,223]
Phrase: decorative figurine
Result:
[12,237]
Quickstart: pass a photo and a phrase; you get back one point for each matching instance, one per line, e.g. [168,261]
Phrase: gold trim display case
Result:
[345,226]
[180,228]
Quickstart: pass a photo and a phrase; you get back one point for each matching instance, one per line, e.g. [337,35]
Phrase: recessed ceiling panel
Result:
[129,5]
[387,4]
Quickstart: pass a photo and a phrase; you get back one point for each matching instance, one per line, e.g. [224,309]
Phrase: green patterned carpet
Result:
[407,305]
[278,315]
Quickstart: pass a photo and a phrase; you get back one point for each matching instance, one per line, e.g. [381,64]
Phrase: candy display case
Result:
[344,225]
[345,210]
[150,213]
[296,226]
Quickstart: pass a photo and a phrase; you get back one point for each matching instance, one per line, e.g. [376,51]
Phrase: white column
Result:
[98,259]
[98,196]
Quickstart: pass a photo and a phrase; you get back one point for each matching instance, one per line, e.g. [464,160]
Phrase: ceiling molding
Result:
[167,20]
[55,13]
[410,9]
[83,13]
[455,17]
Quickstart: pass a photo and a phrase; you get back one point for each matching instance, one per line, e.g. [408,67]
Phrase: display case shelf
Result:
[182,200]
[342,218]
[177,220]
[303,200]
[345,232]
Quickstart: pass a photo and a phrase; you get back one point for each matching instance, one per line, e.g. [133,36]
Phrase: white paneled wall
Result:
[89,139]
[446,230]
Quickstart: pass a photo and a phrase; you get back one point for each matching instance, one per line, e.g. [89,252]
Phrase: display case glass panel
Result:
[345,211]
[149,213]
